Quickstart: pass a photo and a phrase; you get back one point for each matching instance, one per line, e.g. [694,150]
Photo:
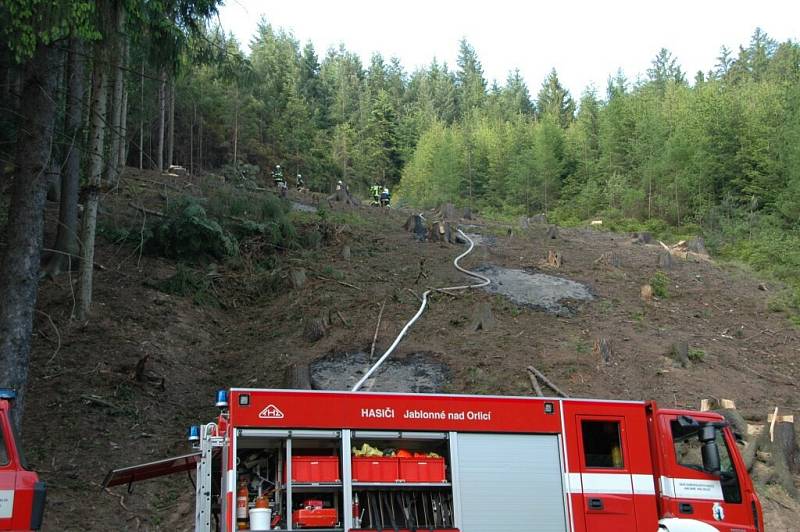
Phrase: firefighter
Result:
[339,185]
[300,183]
[277,176]
[386,197]
[375,192]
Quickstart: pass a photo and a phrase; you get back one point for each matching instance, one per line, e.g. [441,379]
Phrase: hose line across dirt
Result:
[484,282]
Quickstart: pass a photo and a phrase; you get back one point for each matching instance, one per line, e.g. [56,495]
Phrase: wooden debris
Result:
[535,384]
[483,319]
[377,328]
[547,381]
[139,369]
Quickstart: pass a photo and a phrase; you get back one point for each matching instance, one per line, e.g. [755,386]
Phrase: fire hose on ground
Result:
[484,282]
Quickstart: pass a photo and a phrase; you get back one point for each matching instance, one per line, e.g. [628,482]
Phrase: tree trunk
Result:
[171,132]
[191,139]
[96,142]
[123,132]
[118,60]
[236,129]
[67,232]
[162,110]
[19,267]
[141,121]
[200,143]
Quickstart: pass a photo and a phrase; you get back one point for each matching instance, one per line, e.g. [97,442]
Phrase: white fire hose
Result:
[484,282]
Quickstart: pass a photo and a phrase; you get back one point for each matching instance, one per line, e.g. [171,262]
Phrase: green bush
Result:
[660,284]
[187,282]
[186,232]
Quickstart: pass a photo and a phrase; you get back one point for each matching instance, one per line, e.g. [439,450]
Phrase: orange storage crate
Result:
[375,469]
[321,469]
[422,470]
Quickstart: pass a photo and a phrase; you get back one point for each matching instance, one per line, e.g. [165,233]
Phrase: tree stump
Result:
[609,258]
[524,222]
[346,253]
[448,211]
[315,329]
[483,320]
[642,238]
[297,377]
[538,219]
[646,293]
[420,230]
[697,245]
[448,233]
[297,277]
[467,214]
[554,259]
[680,353]
[437,232]
[409,225]
[602,349]
[552,232]
[665,261]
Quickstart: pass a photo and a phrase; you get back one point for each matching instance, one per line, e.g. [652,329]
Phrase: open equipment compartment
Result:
[401,480]
[297,472]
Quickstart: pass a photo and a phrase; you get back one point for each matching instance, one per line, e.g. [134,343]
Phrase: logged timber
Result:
[535,384]
[547,381]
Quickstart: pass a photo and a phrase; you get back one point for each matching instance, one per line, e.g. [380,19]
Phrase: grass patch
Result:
[660,284]
[187,282]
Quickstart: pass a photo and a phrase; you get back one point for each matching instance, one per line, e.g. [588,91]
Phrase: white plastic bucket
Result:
[260,518]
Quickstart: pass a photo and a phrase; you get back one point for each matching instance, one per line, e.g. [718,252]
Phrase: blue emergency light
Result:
[194,433]
[222,398]
[8,394]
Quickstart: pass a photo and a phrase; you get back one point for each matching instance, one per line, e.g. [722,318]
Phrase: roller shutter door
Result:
[510,483]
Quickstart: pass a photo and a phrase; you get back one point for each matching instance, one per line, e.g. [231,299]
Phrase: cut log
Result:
[646,292]
[483,319]
[602,349]
[315,329]
[297,377]
[554,259]
[547,381]
[297,277]
[680,353]
[642,237]
[665,261]
[535,384]
[552,232]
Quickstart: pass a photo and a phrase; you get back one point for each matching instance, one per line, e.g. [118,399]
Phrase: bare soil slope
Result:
[90,409]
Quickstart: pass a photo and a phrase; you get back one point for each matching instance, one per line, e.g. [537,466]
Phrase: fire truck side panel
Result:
[507,482]
[724,501]
[612,486]
[18,487]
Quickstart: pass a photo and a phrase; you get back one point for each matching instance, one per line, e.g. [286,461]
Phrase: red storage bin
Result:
[315,469]
[312,517]
[375,469]
[422,470]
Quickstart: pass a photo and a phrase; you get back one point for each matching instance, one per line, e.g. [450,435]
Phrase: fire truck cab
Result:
[347,462]
[22,494]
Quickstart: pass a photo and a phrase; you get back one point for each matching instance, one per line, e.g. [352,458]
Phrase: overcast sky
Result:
[584,40]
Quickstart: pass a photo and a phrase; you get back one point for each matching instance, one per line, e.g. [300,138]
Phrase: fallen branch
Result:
[415,294]
[344,321]
[58,335]
[547,381]
[145,210]
[318,276]
[121,498]
[100,401]
[535,384]
[70,255]
[377,327]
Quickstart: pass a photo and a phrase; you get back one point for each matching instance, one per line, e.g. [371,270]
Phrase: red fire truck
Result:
[345,461]
[21,493]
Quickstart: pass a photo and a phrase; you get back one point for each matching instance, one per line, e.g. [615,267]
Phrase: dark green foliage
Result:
[187,232]
[188,282]
[660,284]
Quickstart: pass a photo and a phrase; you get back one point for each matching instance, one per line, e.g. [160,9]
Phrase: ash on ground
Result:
[415,373]
[552,294]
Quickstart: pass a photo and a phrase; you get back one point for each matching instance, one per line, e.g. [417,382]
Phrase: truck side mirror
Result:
[710,451]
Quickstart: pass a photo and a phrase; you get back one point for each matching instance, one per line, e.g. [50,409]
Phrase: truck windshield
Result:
[688,454]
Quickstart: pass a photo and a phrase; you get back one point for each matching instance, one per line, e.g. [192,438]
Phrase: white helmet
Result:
[277,166]
[340,182]
[385,190]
